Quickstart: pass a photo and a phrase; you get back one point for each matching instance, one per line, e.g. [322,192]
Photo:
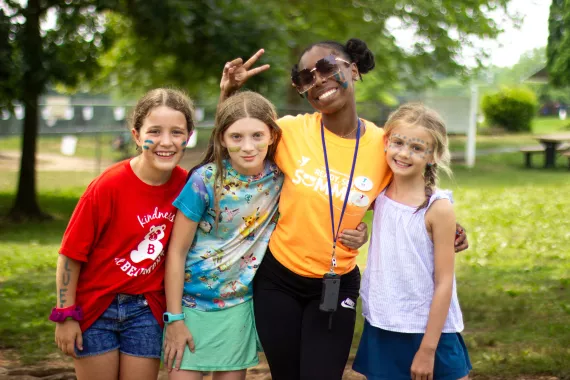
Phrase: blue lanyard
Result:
[335,235]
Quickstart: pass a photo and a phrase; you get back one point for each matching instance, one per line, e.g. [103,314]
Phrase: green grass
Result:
[549,125]
[513,282]
[541,125]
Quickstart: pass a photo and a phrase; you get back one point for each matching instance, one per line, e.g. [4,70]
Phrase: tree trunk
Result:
[294,101]
[26,205]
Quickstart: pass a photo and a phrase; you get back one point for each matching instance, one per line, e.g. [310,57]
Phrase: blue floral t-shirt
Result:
[221,263]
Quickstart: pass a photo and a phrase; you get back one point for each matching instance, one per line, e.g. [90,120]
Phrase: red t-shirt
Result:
[119,230]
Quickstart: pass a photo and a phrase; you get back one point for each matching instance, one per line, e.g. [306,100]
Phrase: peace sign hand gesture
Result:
[236,73]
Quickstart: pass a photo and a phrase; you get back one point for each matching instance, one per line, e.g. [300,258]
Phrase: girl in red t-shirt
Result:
[110,273]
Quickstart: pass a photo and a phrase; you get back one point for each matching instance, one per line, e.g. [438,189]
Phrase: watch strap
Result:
[169,317]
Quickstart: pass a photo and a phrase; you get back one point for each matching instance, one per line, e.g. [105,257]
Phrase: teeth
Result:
[165,154]
[402,163]
[327,94]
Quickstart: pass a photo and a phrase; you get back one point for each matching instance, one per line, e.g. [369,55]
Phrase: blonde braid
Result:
[430,176]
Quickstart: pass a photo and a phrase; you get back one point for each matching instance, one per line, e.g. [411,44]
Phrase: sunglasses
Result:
[306,79]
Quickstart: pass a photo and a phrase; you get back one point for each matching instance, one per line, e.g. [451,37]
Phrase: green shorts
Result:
[225,340]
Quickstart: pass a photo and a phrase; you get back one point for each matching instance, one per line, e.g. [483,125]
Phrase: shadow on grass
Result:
[59,205]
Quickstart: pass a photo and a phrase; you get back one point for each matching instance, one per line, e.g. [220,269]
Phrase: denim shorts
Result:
[127,325]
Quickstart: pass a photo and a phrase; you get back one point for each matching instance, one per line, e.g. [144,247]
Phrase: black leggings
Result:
[294,333]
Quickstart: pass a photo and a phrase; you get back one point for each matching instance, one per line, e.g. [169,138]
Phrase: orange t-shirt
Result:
[302,240]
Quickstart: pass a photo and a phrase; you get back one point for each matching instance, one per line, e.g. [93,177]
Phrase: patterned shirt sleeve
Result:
[193,200]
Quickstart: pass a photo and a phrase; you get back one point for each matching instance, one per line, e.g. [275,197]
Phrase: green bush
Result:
[510,108]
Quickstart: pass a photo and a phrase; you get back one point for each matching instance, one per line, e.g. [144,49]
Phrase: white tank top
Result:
[398,283]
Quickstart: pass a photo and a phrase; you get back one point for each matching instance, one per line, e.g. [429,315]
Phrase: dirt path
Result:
[10,161]
[60,368]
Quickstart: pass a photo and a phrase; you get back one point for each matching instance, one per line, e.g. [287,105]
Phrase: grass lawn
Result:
[541,125]
[513,282]
[550,125]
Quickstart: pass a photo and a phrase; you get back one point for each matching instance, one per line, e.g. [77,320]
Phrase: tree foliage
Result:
[131,45]
[558,50]
[185,52]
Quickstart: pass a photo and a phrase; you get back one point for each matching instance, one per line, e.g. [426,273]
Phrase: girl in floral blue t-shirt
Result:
[226,214]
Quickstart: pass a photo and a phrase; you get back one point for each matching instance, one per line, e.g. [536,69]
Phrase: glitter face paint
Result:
[414,145]
[341,79]
[234,149]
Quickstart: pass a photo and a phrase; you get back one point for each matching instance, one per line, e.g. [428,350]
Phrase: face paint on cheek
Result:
[147,143]
[341,79]
[234,149]
[261,146]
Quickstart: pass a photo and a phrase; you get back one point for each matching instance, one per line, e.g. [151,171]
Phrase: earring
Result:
[385,150]
[429,165]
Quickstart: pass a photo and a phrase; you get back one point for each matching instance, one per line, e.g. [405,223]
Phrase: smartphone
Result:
[331,289]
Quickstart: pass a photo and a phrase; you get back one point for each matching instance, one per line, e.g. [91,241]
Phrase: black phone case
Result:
[329,296]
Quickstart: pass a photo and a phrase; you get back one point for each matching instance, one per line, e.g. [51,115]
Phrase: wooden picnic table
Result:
[551,142]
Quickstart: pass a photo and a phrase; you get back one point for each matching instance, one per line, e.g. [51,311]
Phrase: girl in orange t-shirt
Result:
[110,272]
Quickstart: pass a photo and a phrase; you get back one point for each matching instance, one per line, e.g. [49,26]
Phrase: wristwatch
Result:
[169,317]
[61,314]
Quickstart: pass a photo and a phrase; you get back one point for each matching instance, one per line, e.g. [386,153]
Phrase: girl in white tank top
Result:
[408,291]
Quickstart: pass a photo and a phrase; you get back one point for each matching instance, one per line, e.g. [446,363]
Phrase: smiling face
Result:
[409,150]
[162,139]
[247,141]
[330,95]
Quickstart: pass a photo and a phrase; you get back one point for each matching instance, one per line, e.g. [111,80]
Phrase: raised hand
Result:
[236,73]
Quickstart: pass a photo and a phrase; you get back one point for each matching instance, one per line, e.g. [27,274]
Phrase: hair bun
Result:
[360,54]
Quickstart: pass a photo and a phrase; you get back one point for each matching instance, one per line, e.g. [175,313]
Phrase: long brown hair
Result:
[246,104]
[417,114]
